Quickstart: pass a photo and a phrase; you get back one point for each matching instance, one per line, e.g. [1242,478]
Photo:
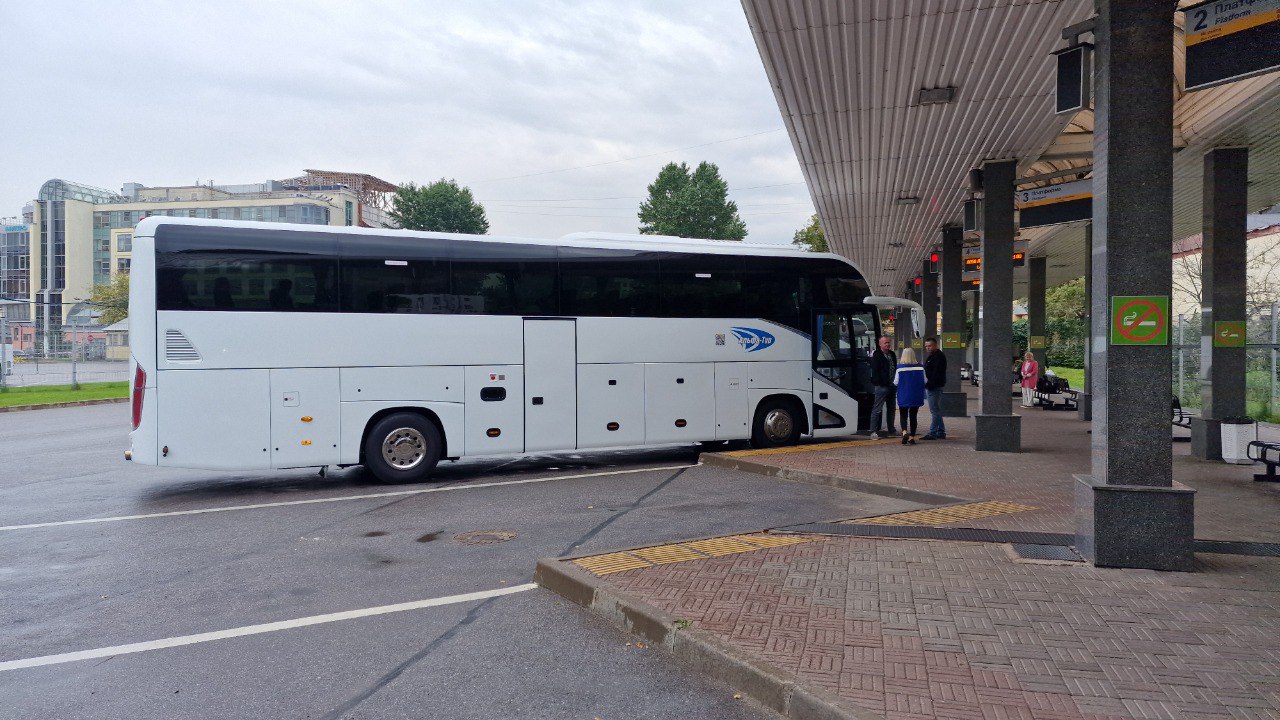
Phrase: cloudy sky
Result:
[556,114]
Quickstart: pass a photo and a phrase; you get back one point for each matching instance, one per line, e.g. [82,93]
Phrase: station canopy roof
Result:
[887,162]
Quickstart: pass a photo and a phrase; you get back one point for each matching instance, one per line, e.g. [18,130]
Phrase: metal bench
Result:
[1267,453]
[1180,418]
[1062,397]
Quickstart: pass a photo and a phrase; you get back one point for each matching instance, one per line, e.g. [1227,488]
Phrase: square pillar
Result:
[1036,271]
[974,346]
[1225,258]
[996,427]
[952,267]
[1084,400]
[929,299]
[1129,512]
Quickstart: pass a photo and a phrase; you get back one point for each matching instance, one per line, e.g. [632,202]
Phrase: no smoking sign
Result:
[1139,320]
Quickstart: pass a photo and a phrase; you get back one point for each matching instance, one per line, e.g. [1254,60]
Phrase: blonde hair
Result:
[908,356]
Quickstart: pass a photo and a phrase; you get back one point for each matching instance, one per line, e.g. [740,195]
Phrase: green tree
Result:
[691,204]
[112,298]
[442,206]
[810,237]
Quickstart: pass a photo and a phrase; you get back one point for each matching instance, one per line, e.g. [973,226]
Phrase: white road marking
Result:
[257,629]
[344,498]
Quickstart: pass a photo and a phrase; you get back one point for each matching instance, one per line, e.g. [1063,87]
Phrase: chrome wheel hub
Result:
[778,425]
[404,448]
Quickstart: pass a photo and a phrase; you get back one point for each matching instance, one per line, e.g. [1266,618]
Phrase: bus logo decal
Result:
[751,339]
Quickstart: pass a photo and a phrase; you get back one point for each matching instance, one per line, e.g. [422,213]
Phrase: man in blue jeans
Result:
[935,379]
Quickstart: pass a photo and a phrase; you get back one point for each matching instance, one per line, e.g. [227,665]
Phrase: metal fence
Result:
[1262,353]
[75,353]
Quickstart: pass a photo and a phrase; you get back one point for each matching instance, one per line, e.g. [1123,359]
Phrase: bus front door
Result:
[550,385]
[842,346]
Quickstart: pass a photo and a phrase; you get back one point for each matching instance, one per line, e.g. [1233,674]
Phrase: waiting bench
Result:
[1267,453]
[1180,418]
[1055,393]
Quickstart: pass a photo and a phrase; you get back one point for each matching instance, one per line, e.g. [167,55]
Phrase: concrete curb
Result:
[843,483]
[704,652]
[75,403]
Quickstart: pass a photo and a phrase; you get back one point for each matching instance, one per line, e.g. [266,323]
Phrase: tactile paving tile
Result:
[683,552]
[611,563]
[663,554]
[815,447]
[946,515]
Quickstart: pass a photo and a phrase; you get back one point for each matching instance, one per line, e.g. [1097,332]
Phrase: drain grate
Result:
[1228,547]
[933,533]
[484,537]
[1046,552]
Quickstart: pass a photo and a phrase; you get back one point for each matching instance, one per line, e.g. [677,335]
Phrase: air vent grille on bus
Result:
[177,348]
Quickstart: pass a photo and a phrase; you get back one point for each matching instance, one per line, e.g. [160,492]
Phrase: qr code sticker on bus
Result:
[719,338]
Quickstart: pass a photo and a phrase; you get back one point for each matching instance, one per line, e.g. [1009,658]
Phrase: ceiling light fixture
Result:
[907,200]
[935,96]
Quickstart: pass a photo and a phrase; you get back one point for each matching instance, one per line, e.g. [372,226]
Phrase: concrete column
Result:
[953,398]
[1129,512]
[1036,269]
[1225,257]
[929,299]
[1084,410]
[996,427]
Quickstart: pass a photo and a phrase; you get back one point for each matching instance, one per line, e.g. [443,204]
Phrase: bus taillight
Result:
[139,383]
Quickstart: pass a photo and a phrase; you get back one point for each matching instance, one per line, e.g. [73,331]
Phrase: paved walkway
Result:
[912,629]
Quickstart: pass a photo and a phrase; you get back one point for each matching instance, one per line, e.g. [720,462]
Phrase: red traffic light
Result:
[917,280]
[933,257]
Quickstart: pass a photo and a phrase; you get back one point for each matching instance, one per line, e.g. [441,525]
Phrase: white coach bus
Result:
[263,345]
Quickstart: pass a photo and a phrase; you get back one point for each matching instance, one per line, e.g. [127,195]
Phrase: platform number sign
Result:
[1140,320]
[1228,333]
[1229,40]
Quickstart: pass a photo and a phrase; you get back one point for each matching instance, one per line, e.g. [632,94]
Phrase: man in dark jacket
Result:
[935,379]
[883,364]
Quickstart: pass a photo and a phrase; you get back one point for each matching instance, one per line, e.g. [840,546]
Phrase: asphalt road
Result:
[307,546]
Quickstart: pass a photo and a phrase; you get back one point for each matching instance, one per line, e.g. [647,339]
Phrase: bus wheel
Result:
[402,448]
[776,424]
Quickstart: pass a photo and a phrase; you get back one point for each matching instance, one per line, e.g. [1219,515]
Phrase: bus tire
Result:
[776,423]
[403,448]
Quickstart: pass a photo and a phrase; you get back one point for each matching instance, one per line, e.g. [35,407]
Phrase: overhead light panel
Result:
[911,200]
[936,96]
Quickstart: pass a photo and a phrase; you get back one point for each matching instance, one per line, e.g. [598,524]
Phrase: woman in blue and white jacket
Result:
[909,380]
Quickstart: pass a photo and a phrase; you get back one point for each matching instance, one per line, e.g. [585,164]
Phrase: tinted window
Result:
[200,268]
[394,275]
[504,278]
[701,286]
[608,283]
[839,286]
[777,289]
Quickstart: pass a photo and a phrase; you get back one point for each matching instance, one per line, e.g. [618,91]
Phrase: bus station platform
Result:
[973,606]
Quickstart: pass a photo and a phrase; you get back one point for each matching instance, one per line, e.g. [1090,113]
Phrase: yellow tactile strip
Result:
[683,552]
[945,515]
[813,447]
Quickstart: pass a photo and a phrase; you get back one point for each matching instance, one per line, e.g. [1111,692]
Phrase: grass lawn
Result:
[1075,376]
[45,394]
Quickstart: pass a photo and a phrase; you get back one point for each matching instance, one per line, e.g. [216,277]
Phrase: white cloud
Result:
[167,93]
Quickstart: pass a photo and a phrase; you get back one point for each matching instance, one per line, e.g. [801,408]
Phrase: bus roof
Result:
[601,240]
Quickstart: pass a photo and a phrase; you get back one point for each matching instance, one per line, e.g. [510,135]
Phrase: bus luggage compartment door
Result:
[305,418]
[550,385]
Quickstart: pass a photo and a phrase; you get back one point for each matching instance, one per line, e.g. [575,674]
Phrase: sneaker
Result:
[911,441]
[904,438]
[930,437]
[875,436]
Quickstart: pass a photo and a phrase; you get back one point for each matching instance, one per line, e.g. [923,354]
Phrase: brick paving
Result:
[913,629]
[1229,505]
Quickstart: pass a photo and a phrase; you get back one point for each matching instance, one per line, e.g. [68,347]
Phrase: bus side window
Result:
[605,283]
